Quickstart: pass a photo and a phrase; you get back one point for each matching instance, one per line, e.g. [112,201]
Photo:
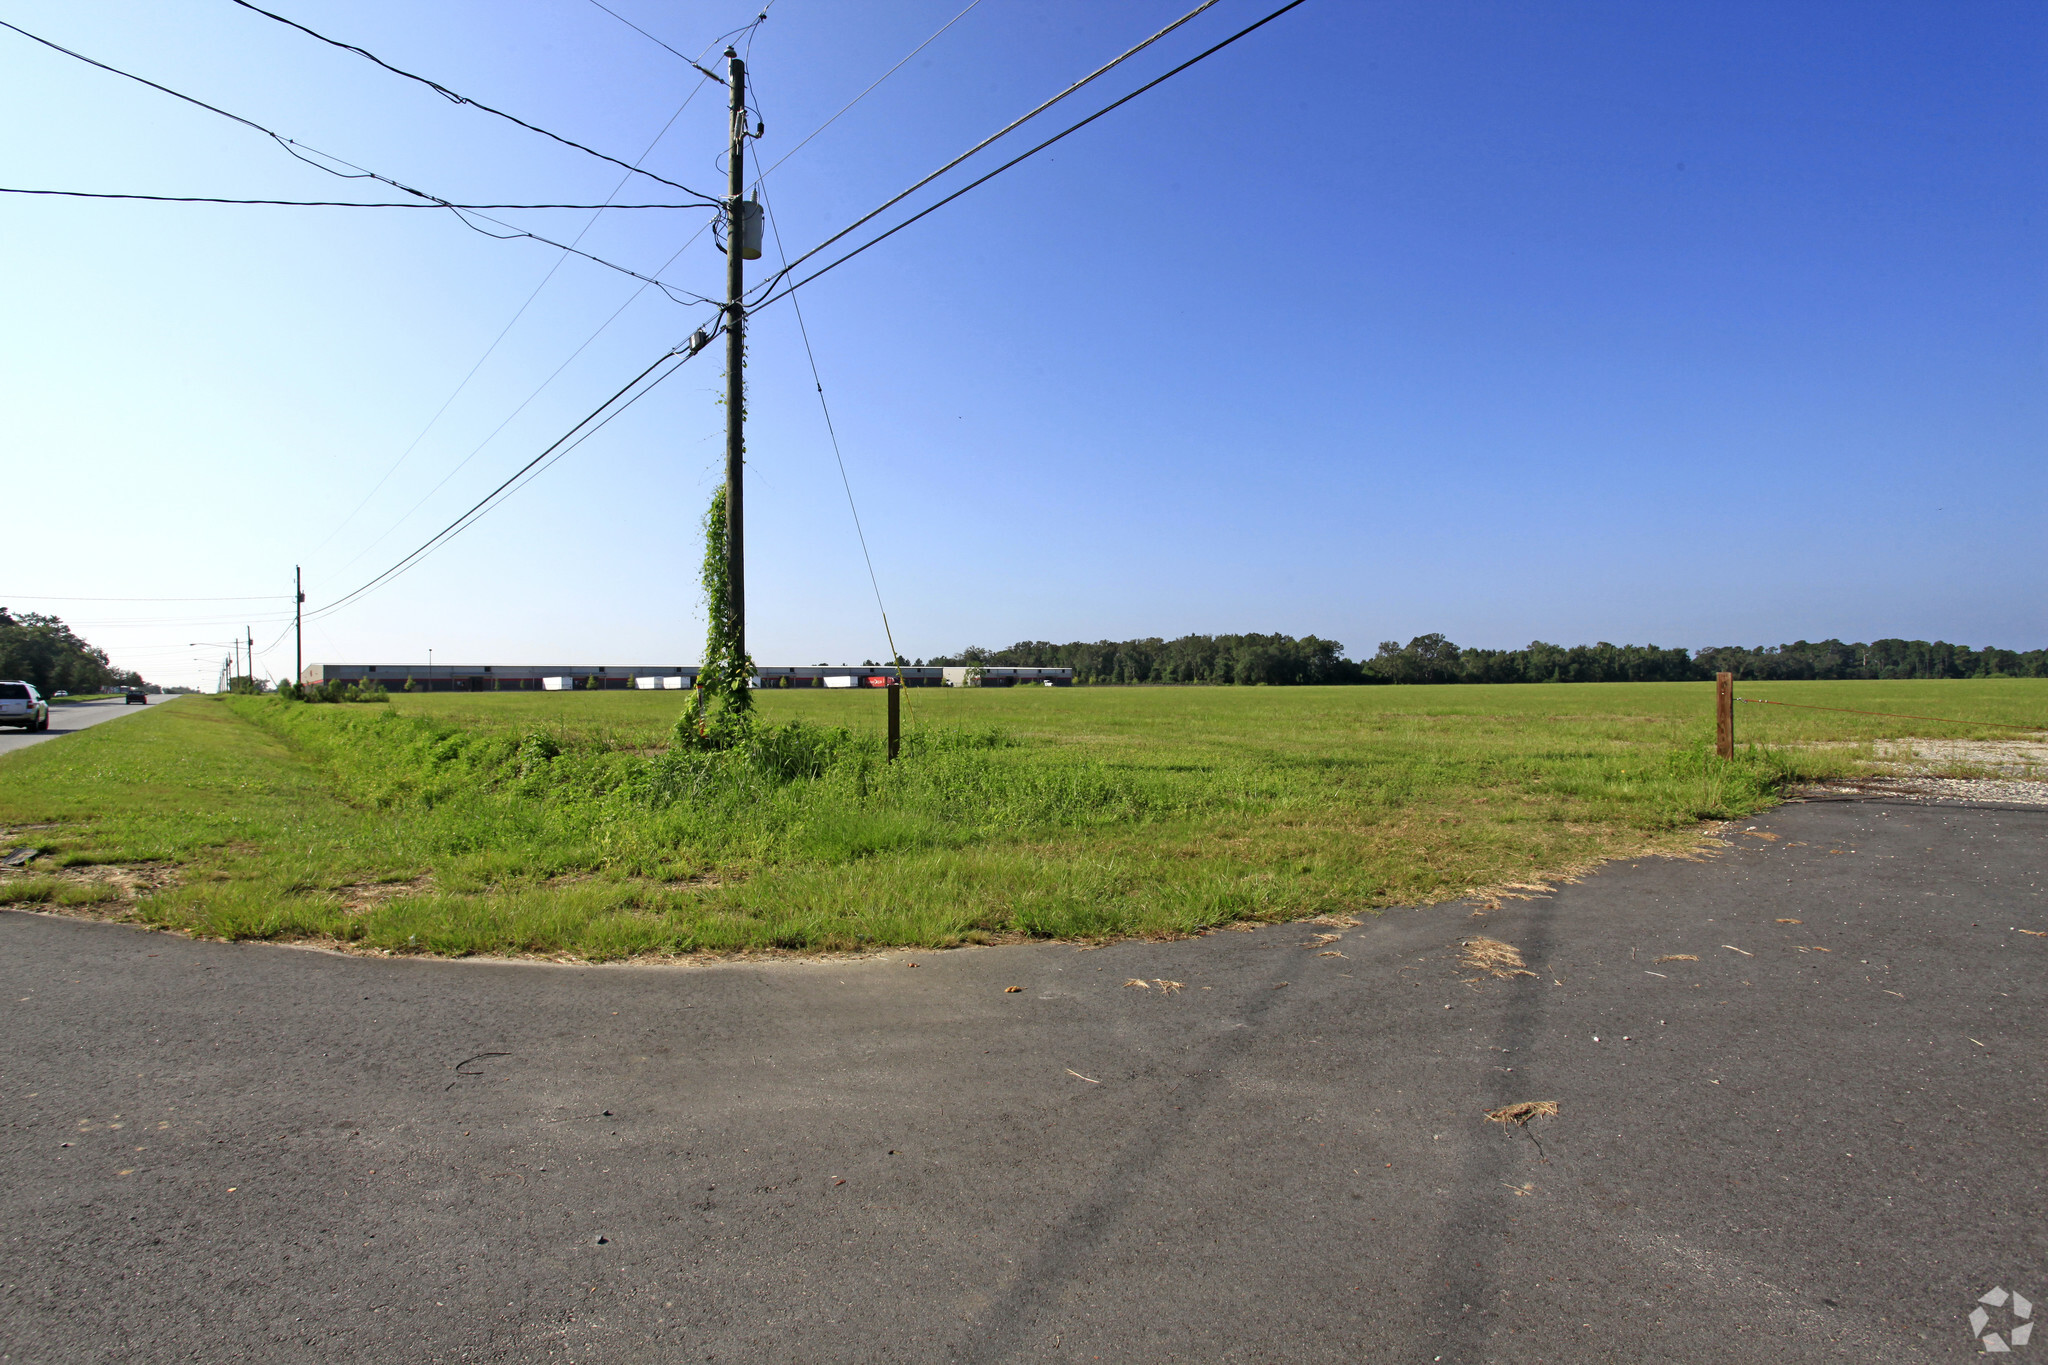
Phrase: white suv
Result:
[22,705]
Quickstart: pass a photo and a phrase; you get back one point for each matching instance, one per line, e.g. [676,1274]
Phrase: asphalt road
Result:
[69,717]
[228,1153]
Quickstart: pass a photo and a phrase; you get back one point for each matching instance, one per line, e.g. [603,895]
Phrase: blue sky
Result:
[1687,324]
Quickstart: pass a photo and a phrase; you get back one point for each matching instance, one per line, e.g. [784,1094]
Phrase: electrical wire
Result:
[863,94]
[747,29]
[326,203]
[538,389]
[503,333]
[1073,128]
[455,98]
[355,172]
[491,350]
[804,331]
[51,597]
[643,32]
[768,285]
[564,443]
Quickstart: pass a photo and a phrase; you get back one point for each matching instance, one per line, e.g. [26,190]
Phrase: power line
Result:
[564,444]
[648,36]
[497,341]
[327,203]
[50,597]
[556,373]
[693,61]
[768,284]
[1073,128]
[455,98]
[299,150]
[863,94]
[830,430]
[537,391]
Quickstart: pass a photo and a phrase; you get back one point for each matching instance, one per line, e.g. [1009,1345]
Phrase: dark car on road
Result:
[135,698]
[22,706]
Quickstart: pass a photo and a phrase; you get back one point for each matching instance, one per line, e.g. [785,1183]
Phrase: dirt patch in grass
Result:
[97,891]
[360,898]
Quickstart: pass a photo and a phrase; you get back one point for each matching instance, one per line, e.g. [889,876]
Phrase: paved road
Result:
[69,717]
[230,1153]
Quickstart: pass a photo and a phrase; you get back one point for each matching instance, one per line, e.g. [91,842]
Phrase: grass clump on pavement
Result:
[566,823]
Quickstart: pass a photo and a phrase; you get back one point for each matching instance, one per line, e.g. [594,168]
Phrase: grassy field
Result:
[559,823]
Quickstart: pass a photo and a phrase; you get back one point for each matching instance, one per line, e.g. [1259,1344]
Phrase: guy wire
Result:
[895,655]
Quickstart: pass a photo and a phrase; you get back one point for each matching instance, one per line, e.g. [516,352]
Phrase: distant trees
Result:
[1878,659]
[1283,660]
[42,650]
[1277,660]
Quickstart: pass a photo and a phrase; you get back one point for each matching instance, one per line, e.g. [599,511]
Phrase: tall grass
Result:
[564,823]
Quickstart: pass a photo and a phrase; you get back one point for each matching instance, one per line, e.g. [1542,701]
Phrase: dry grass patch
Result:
[1520,1113]
[1491,956]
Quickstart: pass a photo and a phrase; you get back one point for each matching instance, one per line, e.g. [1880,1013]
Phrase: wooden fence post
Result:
[1724,714]
[895,691]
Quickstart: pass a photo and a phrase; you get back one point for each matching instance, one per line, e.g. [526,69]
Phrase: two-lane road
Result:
[68,717]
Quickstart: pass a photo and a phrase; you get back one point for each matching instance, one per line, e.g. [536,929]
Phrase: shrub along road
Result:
[1821,1139]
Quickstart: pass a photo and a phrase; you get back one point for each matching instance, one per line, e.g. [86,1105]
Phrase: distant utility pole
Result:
[252,653]
[736,351]
[298,625]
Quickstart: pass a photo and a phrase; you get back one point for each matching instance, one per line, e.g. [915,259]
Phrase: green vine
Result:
[723,713]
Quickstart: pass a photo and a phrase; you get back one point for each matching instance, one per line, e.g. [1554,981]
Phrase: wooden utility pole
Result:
[298,625]
[736,354]
[1724,714]
[895,691]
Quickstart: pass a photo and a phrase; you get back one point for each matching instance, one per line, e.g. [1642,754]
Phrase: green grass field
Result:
[558,823]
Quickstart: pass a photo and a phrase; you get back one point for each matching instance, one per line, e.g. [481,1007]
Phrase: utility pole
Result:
[298,625]
[736,352]
[252,652]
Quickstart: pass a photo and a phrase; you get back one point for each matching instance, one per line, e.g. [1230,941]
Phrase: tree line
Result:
[43,651]
[1284,660]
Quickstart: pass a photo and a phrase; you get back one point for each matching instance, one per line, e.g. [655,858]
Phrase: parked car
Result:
[60,692]
[23,707]
[134,697]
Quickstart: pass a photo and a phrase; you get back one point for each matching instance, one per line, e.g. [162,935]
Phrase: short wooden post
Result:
[895,691]
[1724,714]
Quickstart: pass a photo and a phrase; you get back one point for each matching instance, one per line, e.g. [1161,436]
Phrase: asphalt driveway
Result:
[1799,1082]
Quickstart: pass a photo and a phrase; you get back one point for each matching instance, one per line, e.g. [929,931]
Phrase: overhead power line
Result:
[832,431]
[498,340]
[648,36]
[455,98]
[326,203]
[586,427]
[769,284]
[973,184]
[747,29]
[355,172]
[50,597]
[863,94]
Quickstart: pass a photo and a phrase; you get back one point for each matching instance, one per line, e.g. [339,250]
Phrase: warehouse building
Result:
[680,677]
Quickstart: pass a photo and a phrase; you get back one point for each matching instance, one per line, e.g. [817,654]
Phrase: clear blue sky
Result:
[1688,324]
